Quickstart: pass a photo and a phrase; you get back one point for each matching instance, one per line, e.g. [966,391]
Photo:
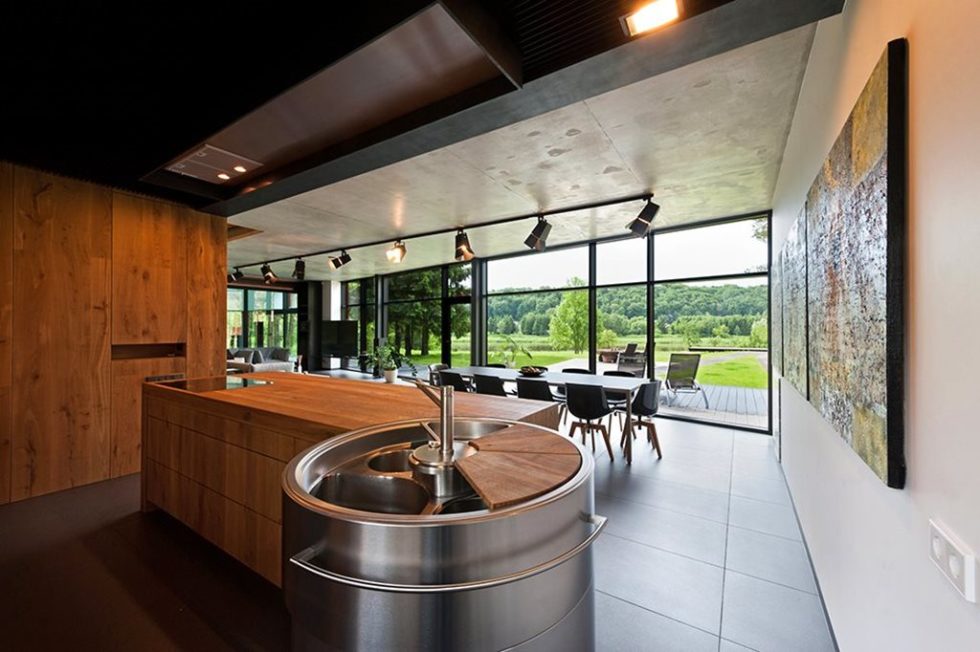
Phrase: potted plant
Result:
[389,360]
[508,351]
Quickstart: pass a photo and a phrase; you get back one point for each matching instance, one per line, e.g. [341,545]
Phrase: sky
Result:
[722,249]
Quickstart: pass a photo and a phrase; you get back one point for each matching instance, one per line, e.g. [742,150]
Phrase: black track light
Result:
[463,249]
[236,276]
[299,269]
[336,262]
[268,274]
[539,235]
[641,226]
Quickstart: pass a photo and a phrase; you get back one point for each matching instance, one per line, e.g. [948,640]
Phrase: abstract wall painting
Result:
[776,314]
[795,306]
[855,242]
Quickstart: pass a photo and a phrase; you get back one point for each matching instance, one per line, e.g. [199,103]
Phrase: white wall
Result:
[870,543]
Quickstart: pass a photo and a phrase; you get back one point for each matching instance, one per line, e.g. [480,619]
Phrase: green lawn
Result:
[743,372]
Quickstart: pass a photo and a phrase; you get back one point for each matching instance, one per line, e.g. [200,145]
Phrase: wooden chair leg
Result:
[652,435]
[571,431]
[605,436]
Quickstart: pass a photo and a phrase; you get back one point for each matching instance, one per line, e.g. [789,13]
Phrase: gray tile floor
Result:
[703,550]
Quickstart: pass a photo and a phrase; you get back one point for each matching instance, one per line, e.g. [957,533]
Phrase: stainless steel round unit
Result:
[374,558]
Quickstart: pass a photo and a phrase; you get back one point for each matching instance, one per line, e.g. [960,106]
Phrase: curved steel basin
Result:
[374,561]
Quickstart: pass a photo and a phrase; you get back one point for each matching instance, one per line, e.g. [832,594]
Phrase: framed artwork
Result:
[855,270]
[794,300]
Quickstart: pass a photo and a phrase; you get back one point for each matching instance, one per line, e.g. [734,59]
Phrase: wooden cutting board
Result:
[516,466]
[522,439]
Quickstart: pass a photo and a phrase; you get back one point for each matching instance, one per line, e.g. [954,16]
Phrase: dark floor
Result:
[702,552]
[85,569]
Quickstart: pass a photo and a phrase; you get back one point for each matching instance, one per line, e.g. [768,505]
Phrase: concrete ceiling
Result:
[707,139]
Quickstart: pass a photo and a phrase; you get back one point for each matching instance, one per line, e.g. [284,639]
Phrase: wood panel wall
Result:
[149,261]
[6,322]
[207,296]
[61,354]
[83,268]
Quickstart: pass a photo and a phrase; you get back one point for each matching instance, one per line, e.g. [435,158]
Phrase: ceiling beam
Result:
[486,32]
[709,34]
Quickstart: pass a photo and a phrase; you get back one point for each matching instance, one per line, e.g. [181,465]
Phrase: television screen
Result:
[339,339]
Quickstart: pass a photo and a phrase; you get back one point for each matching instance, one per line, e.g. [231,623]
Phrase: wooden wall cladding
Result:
[62,231]
[6,322]
[149,271]
[127,390]
[207,259]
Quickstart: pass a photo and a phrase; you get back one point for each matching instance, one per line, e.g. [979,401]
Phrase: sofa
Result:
[259,359]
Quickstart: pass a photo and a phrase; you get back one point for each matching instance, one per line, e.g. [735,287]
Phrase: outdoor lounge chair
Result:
[633,363]
[681,373]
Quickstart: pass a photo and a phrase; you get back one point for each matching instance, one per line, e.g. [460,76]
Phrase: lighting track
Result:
[456,229]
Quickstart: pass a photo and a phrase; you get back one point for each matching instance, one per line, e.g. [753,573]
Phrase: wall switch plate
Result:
[954,559]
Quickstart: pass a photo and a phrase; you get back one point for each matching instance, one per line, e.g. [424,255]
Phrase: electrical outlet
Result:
[954,559]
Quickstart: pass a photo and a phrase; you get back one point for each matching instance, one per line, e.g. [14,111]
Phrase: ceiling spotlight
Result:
[651,16]
[240,169]
[223,176]
[397,252]
[463,249]
[299,270]
[237,275]
[539,234]
[644,221]
[268,274]
[336,262]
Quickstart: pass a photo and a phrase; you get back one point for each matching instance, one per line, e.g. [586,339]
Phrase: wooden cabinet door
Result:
[62,287]
[127,391]
[149,271]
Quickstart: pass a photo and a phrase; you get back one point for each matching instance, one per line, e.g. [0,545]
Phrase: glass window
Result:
[725,323]
[460,280]
[415,329]
[546,270]
[621,327]
[732,248]
[621,261]
[542,328]
[236,299]
[459,316]
[422,284]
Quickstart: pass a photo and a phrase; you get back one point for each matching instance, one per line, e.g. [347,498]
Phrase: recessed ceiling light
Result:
[223,176]
[240,169]
[651,16]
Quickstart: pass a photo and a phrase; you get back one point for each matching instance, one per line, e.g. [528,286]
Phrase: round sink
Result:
[462,505]
[391,461]
[373,493]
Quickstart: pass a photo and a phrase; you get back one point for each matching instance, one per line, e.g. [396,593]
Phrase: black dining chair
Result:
[618,404]
[434,370]
[588,404]
[560,390]
[538,390]
[489,385]
[496,365]
[454,380]
[645,405]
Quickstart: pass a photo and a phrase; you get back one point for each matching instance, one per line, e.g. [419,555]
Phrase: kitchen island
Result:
[214,449]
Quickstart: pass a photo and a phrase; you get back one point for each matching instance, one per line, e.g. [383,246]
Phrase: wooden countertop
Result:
[316,407]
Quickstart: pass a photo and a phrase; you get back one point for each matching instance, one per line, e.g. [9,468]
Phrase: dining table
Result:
[618,385]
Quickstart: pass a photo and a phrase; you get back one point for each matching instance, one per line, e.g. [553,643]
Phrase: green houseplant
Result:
[389,360]
[508,350]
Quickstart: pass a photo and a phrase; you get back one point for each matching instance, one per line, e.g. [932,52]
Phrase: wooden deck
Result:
[731,405]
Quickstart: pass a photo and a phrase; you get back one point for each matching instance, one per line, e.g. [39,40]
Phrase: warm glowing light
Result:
[651,16]
[223,176]
[397,252]
[240,169]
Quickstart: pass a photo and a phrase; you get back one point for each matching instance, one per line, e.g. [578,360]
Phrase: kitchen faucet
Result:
[444,399]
